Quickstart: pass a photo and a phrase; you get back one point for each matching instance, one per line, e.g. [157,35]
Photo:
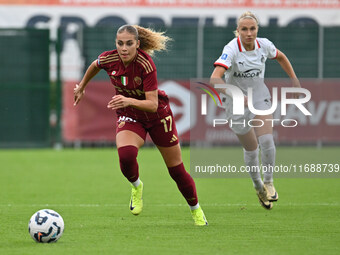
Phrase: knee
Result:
[266,142]
[251,155]
[177,172]
[127,154]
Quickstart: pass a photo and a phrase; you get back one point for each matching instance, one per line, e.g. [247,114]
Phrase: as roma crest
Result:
[138,80]
[121,124]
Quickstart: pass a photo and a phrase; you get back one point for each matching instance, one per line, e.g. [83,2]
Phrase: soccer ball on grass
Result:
[46,226]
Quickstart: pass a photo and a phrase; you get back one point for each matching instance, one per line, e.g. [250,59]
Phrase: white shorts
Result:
[239,124]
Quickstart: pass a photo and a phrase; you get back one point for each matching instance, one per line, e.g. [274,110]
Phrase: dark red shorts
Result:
[162,131]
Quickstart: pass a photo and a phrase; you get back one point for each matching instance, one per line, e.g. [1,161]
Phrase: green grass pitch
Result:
[87,188]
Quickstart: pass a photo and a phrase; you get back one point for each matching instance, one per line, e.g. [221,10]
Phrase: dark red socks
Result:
[185,183]
[128,162]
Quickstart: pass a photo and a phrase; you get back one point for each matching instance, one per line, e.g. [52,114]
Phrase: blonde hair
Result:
[246,15]
[150,40]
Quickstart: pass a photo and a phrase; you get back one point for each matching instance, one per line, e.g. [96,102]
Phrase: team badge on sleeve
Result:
[224,56]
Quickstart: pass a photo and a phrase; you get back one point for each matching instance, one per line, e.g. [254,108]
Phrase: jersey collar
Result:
[242,49]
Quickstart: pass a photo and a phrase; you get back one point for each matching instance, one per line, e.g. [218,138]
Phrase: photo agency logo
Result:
[204,97]
[239,105]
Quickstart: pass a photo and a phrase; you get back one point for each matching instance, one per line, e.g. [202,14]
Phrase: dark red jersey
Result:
[134,80]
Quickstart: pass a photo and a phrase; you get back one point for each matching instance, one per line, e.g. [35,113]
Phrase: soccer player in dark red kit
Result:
[141,108]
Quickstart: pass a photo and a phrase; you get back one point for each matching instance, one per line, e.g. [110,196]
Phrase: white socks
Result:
[251,158]
[136,183]
[194,207]
[268,152]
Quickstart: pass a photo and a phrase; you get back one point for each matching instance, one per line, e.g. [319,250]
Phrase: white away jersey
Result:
[246,68]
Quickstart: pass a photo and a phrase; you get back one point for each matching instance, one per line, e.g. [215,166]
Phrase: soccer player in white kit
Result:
[243,64]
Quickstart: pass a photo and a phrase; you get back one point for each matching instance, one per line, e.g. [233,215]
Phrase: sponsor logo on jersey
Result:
[125,119]
[113,72]
[130,92]
[248,74]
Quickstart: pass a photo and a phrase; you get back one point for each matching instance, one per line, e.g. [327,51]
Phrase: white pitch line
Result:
[163,205]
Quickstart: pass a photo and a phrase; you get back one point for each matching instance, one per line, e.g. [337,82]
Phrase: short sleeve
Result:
[98,64]
[226,59]
[270,49]
[150,81]
[98,61]
[106,58]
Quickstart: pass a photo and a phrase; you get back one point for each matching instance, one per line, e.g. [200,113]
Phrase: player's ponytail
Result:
[150,40]
[246,15]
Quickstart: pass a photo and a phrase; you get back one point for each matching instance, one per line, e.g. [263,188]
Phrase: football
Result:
[46,226]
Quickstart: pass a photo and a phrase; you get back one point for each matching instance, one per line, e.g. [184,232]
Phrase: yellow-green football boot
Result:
[199,217]
[136,201]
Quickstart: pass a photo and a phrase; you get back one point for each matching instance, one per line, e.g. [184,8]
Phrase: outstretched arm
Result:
[79,90]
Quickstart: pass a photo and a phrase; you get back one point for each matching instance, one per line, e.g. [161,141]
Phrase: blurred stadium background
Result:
[47,45]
